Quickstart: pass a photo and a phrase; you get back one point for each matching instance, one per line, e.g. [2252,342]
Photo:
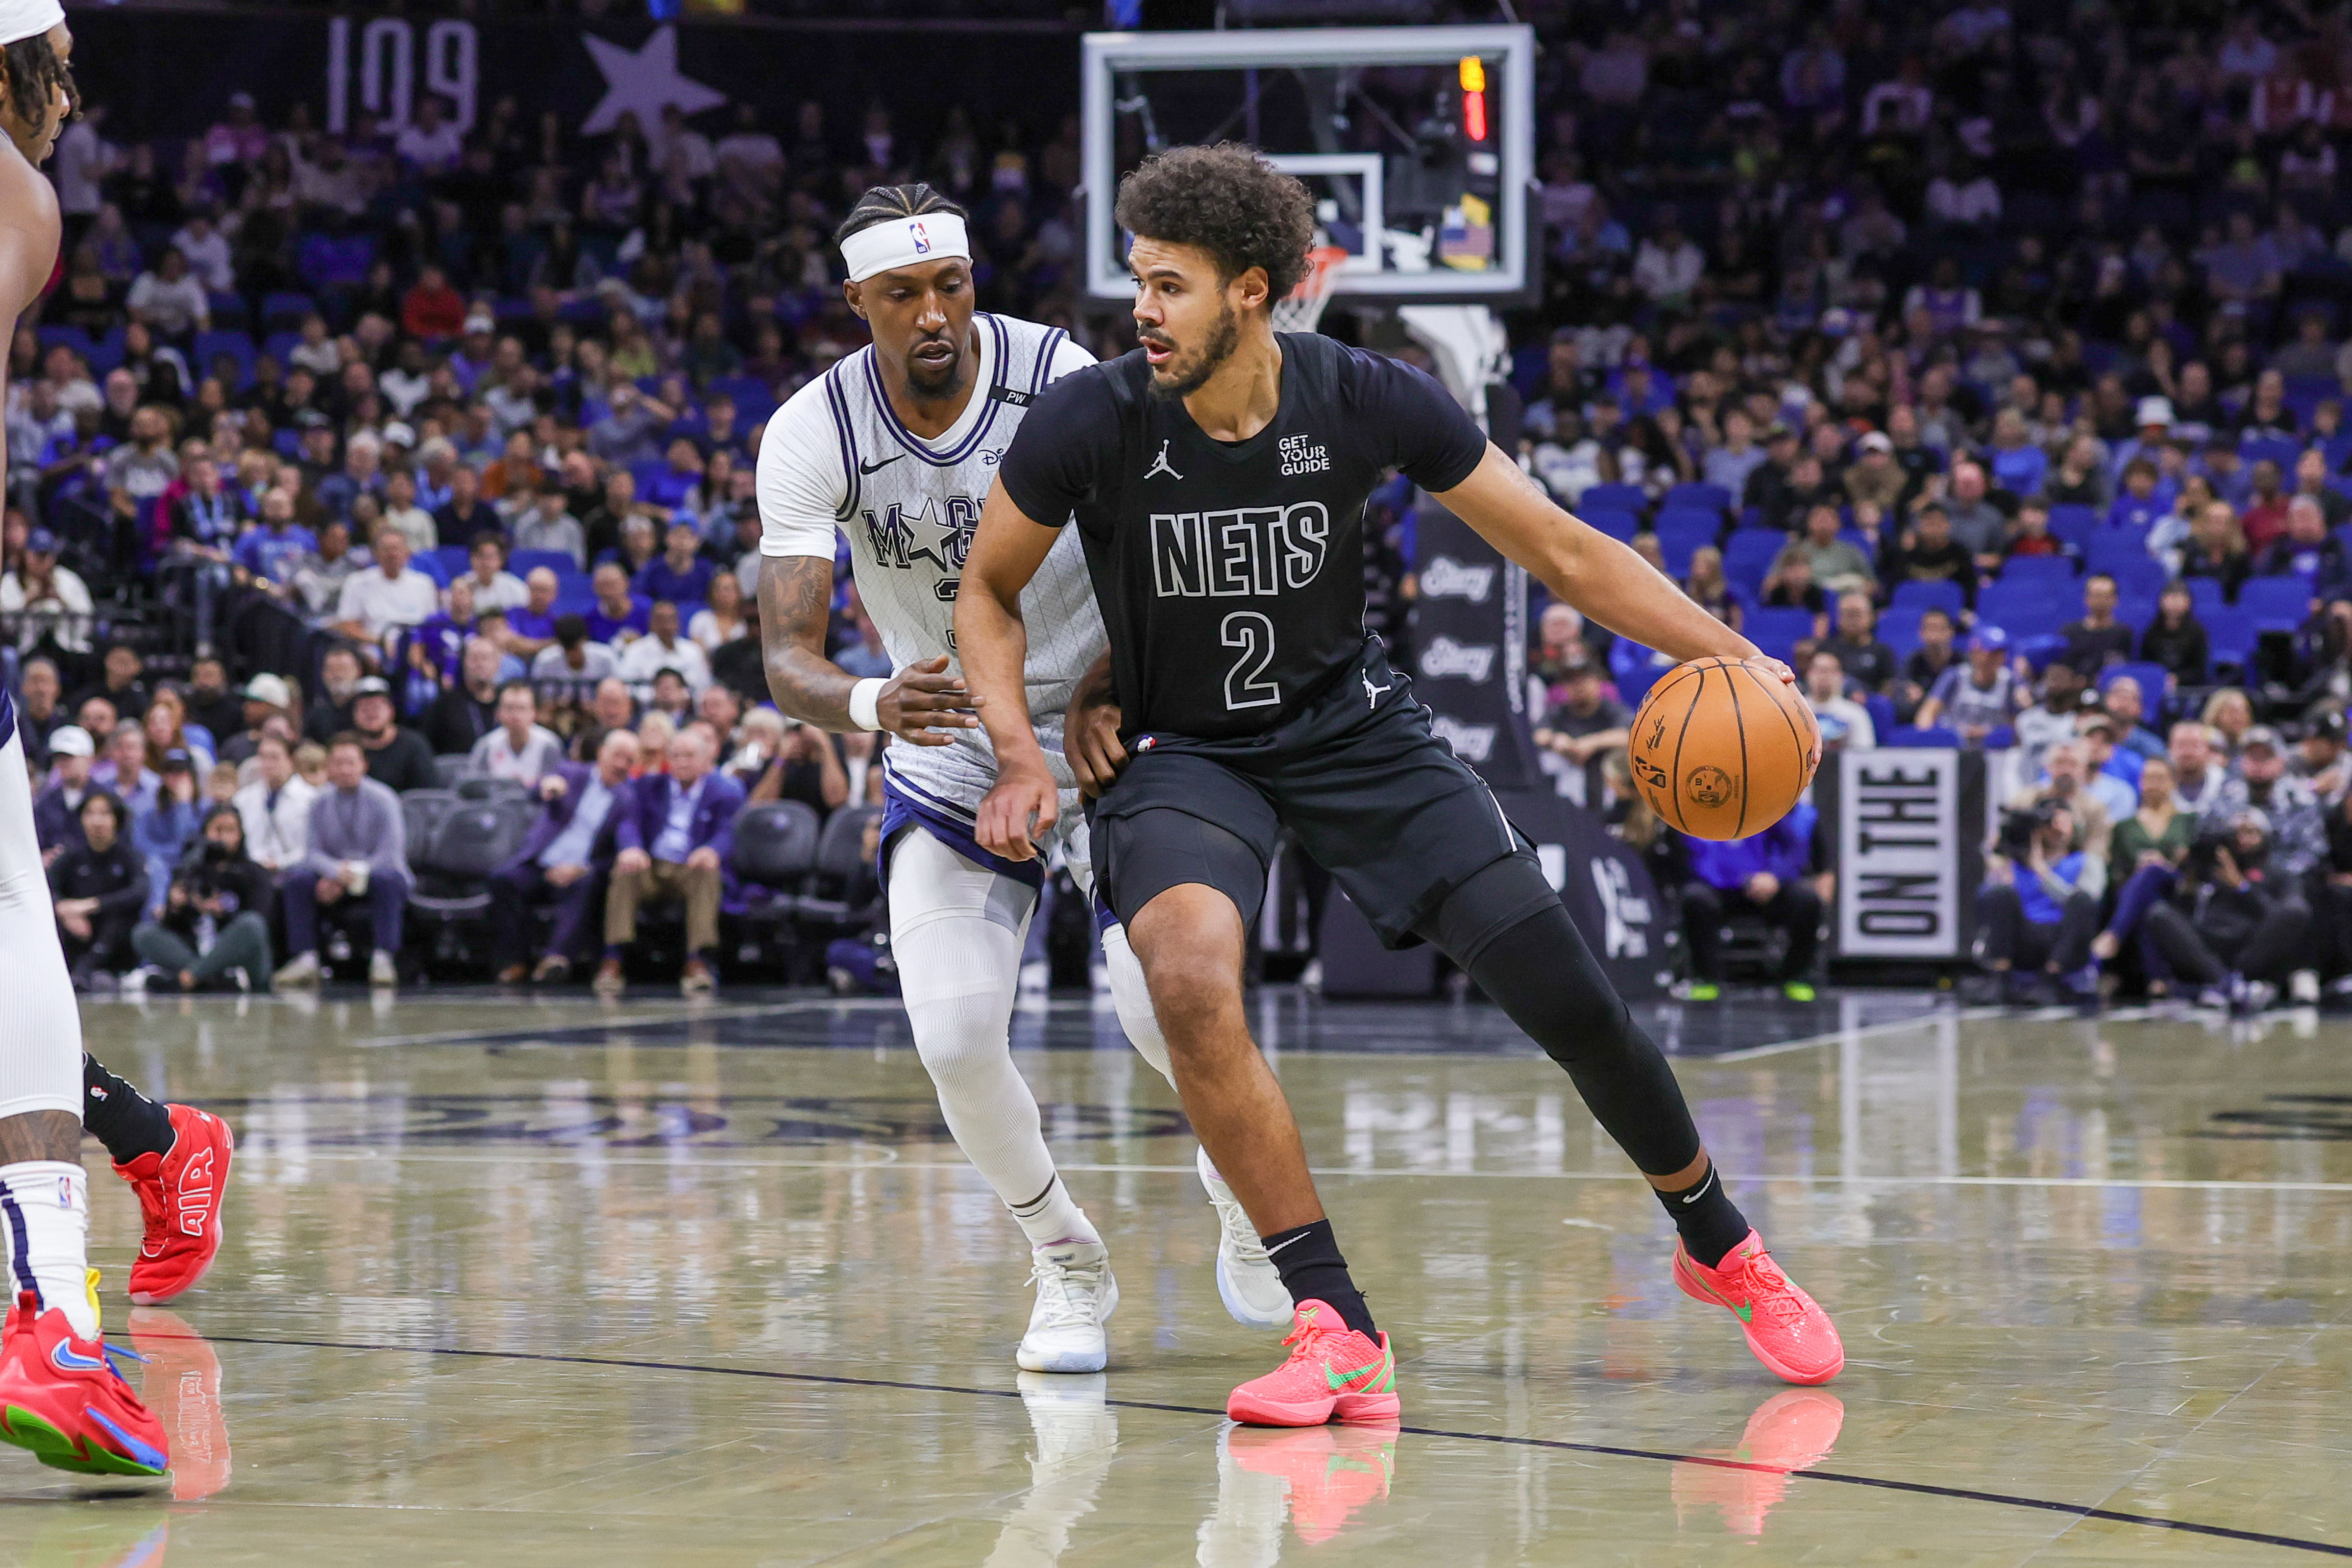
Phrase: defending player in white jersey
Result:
[59,1396]
[897,445]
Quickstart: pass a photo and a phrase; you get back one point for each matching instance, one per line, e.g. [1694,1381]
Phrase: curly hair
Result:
[1226,200]
[883,203]
[33,73]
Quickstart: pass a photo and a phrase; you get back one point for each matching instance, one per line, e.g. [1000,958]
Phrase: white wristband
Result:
[863,700]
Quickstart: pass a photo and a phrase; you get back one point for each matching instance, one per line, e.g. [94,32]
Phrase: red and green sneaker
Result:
[1786,1328]
[1334,1372]
[61,1398]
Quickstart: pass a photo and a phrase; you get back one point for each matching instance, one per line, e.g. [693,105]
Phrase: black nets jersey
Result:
[1231,574]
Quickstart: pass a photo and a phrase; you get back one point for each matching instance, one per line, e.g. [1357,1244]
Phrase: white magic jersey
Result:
[837,456]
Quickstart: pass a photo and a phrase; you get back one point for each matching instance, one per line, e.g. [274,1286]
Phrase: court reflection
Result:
[182,1385]
[1318,1478]
[1791,1431]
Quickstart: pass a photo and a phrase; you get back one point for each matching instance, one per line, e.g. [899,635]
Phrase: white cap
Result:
[22,19]
[269,689]
[72,741]
[2155,411]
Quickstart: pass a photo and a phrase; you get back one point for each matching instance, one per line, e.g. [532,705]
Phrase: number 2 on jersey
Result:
[1253,634]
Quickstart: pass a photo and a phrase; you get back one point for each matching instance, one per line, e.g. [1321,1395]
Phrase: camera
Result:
[2019,829]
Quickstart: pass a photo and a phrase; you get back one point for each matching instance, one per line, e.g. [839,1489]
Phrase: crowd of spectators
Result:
[1988,366]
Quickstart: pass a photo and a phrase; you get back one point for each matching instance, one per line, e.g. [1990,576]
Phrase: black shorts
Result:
[1375,798]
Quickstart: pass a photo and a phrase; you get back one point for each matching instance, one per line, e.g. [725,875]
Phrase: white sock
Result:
[45,1216]
[1055,1217]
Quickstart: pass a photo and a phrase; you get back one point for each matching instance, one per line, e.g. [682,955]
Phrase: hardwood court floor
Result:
[515,1282]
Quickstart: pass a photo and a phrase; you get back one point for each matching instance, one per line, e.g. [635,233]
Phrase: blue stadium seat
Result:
[574,591]
[2232,634]
[2136,577]
[2276,604]
[754,399]
[1907,736]
[2077,525]
[74,338]
[1616,522]
[2020,608]
[2205,595]
[107,352]
[1775,631]
[456,560]
[2109,548]
[524,562]
[2051,570]
[2151,677]
[1943,597]
[2000,738]
[1882,713]
[1699,496]
[432,566]
[2272,448]
[1635,670]
[211,345]
[1679,536]
[1748,555]
[1898,627]
[285,309]
[1614,498]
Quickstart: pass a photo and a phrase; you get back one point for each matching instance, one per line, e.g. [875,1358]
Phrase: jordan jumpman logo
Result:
[1373,694]
[1159,464]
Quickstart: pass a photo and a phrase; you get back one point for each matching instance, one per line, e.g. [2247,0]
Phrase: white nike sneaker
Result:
[1076,1294]
[1247,1281]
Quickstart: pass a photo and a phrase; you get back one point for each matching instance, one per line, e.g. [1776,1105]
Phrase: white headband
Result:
[901,242]
[22,19]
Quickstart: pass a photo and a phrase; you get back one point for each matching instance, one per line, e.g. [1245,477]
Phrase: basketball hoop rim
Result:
[1302,308]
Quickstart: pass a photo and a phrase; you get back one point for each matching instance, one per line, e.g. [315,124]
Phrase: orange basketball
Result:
[1720,748]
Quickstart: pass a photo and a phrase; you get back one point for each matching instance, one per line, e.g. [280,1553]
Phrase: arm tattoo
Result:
[795,607]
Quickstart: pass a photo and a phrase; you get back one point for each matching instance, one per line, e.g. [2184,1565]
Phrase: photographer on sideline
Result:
[2228,930]
[214,926]
[2039,906]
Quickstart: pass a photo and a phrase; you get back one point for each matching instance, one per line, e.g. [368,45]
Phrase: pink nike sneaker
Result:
[1333,1371]
[1786,1328]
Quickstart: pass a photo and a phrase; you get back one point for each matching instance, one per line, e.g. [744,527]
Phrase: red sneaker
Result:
[1786,1328]
[1333,1371]
[1793,1430]
[61,1398]
[180,1193]
[1332,1472]
[184,1389]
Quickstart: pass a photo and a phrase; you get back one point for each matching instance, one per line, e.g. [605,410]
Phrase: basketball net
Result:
[1298,311]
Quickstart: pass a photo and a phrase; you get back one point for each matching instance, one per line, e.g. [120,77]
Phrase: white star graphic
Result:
[643,80]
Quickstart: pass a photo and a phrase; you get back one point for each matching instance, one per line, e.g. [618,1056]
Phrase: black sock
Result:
[1710,1222]
[128,1122]
[1313,1271]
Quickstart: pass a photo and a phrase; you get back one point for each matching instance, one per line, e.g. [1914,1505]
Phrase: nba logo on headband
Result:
[920,236]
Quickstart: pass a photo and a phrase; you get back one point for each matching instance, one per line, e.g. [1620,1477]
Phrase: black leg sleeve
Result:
[1508,931]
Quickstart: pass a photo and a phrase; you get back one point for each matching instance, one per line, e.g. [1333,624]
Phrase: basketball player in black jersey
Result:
[1218,477]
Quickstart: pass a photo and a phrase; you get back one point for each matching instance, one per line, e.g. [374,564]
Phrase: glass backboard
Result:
[1419,144]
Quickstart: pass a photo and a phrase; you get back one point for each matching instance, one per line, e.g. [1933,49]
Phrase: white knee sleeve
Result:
[40,1025]
[1133,999]
[955,931]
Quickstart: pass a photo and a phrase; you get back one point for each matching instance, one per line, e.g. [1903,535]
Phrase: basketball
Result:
[1721,750]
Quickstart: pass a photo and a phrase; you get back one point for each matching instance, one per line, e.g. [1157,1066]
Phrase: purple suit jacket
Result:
[557,814]
[713,823]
